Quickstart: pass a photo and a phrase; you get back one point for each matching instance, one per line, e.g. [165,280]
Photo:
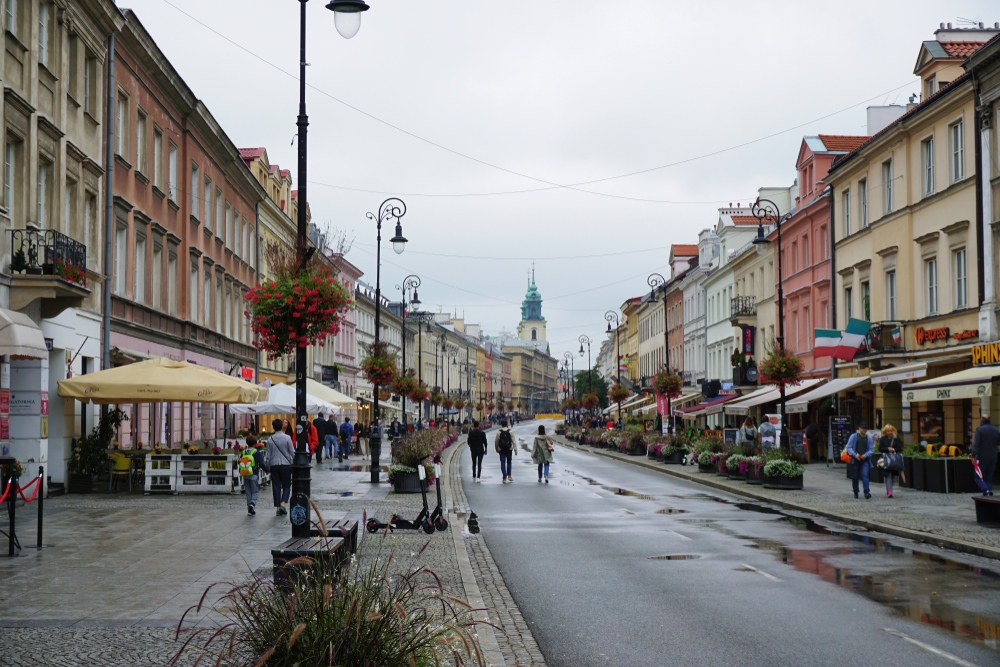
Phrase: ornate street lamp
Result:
[410,282]
[347,16]
[612,316]
[656,280]
[584,338]
[766,212]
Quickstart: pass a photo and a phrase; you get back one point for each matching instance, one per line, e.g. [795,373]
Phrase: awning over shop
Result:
[685,397]
[281,401]
[911,371]
[970,383]
[768,394]
[801,403]
[708,407]
[20,336]
[637,402]
[386,405]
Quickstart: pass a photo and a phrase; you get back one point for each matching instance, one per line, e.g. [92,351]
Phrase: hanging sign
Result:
[45,402]
[4,427]
[747,338]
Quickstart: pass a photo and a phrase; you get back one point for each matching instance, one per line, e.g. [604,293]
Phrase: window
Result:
[863,194]
[244,242]
[74,49]
[805,251]
[121,125]
[89,83]
[219,220]
[140,268]
[208,204]
[43,34]
[44,193]
[121,261]
[141,141]
[195,181]
[10,16]
[172,285]
[234,225]
[9,166]
[218,305]
[848,304]
[866,301]
[158,157]
[229,223]
[229,312]
[847,212]
[887,185]
[207,298]
[961,278]
[957,152]
[90,230]
[157,285]
[69,205]
[172,175]
[252,252]
[931,280]
[890,295]
[928,153]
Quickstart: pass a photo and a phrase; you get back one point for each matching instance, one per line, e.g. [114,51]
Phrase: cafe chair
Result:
[120,467]
[138,477]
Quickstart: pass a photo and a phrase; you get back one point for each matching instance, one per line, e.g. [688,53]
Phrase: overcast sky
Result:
[559,93]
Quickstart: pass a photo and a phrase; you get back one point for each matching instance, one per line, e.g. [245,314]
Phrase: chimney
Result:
[912,103]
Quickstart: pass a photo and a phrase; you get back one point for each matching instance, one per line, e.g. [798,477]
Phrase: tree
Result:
[591,382]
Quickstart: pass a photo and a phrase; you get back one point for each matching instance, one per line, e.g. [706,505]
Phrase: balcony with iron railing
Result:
[742,307]
[48,265]
[880,340]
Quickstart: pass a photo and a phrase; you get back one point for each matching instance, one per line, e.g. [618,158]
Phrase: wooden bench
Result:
[327,552]
[346,528]
[987,509]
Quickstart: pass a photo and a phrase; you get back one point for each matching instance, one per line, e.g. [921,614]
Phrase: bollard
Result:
[41,495]
[11,539]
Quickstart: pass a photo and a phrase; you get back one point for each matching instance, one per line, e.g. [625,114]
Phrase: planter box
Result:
[908,471]
[720,468]
[676,458]
[206,473]
[738,476]
[638,450]
[876,474]
[787,483]
[961,477]
[161,473]
[85,483]
[406,483]
[919,474]
[934,475]
[710,467]
[755,477]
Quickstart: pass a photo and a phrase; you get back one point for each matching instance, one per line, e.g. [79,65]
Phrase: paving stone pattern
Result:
[517,643]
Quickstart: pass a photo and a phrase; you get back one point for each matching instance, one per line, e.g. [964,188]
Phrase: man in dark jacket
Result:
[477,447]
[395,429]
[320,425]
[984,453]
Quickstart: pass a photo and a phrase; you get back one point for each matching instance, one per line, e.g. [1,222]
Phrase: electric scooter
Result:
[422,521]
[437,516]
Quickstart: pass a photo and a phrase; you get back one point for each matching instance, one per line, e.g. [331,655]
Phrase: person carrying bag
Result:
[747,436]
[892,457]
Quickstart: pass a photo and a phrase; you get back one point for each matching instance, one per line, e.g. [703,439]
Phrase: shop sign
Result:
[4,427]
[747,338]
[931,335]
[966,335]
[45,402]
[25,403]
[4,401]
[247,373]
[987,353]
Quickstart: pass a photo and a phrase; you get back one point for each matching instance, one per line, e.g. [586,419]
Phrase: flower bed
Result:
[783,474]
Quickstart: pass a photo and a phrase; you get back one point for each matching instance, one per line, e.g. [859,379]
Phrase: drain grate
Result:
[676,557]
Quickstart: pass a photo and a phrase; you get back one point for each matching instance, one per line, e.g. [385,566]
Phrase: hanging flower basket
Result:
[780,368]
[618,393]
[403,385]
[589,401]
[436,398]
[379,366]
[447,404]
[384,394]
[419,394]
[71,273]
[459,404]
[298,307]
[668,384]
[490,406]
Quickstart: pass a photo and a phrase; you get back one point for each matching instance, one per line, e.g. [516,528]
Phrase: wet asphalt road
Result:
[761,588]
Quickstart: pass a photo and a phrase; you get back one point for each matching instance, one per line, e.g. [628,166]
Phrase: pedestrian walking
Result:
[747,435]
[280,452]
[860,448]
[328,438]
[251,462]
[346,433]
[504,444]
[541,453]
[984,453]
[287,428]
[477,447]
[320,424]
[889,444]
[395,429]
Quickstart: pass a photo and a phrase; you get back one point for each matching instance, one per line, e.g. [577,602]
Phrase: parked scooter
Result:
[437,517]
[423,520]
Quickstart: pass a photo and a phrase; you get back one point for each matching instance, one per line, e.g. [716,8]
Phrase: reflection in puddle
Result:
[676,557]
[344,494]
[617,490]
[357,468]
[469,522]
[670,510]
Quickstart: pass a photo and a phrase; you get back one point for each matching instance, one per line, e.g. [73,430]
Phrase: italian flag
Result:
[827,341]
[852,340]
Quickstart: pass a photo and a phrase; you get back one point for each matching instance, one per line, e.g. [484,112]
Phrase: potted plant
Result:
[753,467]
[301,305]
[33,267]
[18,262]
[705,463]
[635,445]
[783,474]
[734,464]
[407,452]
[719,459]
[89,455]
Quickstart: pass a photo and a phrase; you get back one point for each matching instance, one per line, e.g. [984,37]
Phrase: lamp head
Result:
[347,16]
[415,301]
[761,242]
[581,349]
[398,241]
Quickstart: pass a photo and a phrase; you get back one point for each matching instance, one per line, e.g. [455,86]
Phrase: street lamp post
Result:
[612,316]
[571,361]
[347,19]
[656,280]
[767,211]
[391,209]
[410,282]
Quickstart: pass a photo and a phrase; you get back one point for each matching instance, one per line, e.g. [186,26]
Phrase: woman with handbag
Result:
[889,444]
[747,436]
[541,453]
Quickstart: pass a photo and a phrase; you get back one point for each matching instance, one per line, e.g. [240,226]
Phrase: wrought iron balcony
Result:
[880,339]
[743,306]
[49,253]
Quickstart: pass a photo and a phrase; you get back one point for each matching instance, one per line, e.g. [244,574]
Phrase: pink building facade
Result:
[345,347]
[805,248]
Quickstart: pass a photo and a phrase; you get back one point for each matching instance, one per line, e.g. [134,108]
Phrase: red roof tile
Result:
[960,49]
[840,142]
[251,153]
[684,249]
[272,168]
[745,220]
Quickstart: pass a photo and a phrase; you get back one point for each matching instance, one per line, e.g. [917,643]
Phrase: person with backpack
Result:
[477,447]
[251,462]
[346,433]
[747,437]
[504,444]
[280,453]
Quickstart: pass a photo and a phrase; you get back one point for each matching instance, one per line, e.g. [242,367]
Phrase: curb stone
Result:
[983,550]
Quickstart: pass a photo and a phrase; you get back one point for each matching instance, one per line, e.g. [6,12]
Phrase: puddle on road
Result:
[670,510]
[469,522]
[676,557]
[616,490]
[357,468]
[344,494]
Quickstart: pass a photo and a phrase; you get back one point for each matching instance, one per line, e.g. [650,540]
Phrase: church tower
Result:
[532,326]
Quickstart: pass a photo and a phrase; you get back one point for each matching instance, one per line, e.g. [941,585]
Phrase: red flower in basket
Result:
[668,384]
[618,393]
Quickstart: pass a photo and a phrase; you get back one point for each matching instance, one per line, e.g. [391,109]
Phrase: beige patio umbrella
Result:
[329,394]
[160,380]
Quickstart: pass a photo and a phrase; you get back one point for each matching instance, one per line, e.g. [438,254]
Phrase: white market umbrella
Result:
[281,401]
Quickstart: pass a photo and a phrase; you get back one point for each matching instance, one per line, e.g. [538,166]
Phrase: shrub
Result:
[783,468]
[734,462]
[704,458]
[89,455]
